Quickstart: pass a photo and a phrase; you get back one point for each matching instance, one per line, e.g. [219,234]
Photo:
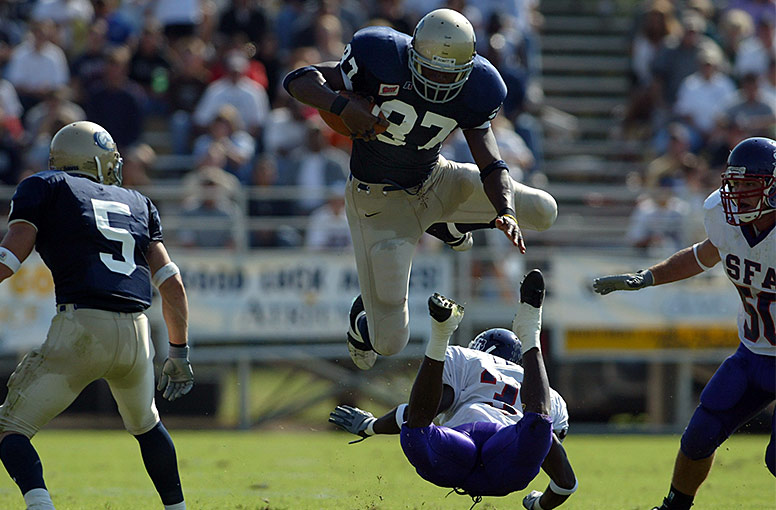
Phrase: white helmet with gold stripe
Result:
[441,55]
[86,148]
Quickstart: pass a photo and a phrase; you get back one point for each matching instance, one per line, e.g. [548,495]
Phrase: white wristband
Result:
[370,428]
[8,259]
[400,414]
[560,491]
[697,259]
[166,271]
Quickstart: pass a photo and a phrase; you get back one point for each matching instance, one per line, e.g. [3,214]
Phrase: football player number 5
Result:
[101,209]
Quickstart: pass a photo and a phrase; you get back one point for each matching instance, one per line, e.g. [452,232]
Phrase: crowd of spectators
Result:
[201,80]
[703,78]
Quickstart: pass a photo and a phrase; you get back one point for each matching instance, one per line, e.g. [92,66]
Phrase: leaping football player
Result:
[739,220]
[426,85]
[500,420]
[103,245]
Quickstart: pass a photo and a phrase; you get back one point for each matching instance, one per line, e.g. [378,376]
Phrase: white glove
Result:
[529,500]
[177,377]
[354,420]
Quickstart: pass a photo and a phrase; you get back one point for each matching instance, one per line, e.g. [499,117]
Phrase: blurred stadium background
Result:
[251,200]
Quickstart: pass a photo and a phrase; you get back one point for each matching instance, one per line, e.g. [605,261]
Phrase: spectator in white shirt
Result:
[37,66]
[246,95]
[755,51]
[703,96]
[327,226]
[9,99]
[71,17]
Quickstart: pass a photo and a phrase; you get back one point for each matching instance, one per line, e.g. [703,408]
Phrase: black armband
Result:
[338,104]
[496,166]
[507,211]
[293,75]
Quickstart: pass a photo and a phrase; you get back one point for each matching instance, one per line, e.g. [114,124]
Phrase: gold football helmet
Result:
[443,45]
[86,148]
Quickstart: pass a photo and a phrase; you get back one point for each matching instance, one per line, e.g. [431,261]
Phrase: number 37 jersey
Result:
[92,237]
[749,259]
[376,64]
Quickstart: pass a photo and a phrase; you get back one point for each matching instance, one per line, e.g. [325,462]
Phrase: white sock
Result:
[437,344]
[527,325]
[38,499]
[176,506]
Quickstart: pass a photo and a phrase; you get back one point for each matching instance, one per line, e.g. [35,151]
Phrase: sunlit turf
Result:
[318,470]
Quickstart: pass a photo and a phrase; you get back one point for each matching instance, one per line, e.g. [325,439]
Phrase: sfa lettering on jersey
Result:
[750,272]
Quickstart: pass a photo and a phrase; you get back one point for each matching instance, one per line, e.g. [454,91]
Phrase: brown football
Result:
[335,121]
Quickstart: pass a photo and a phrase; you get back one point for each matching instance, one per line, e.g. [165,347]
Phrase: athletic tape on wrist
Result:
[400,414]
[560,491]
[8,259]
[697,259]
[166,271]
[370,428]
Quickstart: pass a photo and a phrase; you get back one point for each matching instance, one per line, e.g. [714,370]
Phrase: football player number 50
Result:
[758,311]
[101,209]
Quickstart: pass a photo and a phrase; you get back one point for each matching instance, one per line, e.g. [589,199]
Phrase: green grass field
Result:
[318,470]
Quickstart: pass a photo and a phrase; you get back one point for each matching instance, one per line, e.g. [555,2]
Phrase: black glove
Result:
[606,284]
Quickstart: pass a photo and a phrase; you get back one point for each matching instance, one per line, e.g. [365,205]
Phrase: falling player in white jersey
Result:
[739,220]
[480,405]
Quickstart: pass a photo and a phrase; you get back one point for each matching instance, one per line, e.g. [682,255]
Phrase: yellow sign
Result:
[689,337]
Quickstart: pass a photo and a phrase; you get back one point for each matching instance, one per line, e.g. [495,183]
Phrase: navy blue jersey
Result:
[376,63]
[92,237]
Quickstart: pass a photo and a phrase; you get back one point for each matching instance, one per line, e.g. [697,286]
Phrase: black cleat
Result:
[359,347]
[532,289]
[441,308]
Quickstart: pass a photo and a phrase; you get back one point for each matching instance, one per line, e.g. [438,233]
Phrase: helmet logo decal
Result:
[104,140]
[443,61]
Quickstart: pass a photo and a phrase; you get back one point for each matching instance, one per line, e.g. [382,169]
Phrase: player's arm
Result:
[563,481]
[363,423]
[683,264]
[177,377]
[496,181]
[175,307]
[317,85]
[16,247]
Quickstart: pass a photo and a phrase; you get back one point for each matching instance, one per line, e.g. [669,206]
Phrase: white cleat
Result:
[462,242]
[530,499]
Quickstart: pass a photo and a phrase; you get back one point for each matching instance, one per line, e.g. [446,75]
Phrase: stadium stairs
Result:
[585,77]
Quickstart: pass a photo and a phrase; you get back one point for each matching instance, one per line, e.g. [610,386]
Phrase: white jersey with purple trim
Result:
[749,259]
[487,388]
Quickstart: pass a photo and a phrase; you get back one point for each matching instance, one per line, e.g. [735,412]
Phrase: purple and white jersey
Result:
[749,260]
[487,389]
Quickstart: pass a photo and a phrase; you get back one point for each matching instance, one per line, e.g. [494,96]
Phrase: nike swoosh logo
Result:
[370,215]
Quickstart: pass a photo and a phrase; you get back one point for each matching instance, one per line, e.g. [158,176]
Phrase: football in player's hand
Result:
[335,121]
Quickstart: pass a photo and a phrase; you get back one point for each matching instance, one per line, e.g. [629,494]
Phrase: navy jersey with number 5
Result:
[92,237]
[376,64]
